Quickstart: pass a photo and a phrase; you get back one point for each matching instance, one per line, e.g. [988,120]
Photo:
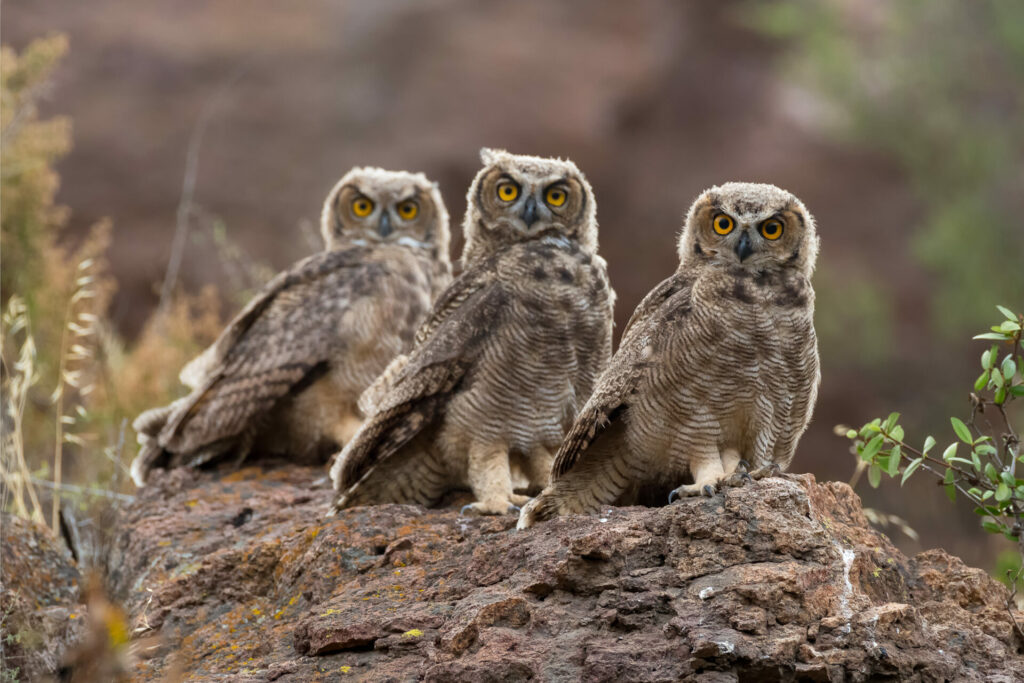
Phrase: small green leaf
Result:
[985,449]
[991,473]
[896,434]
[975,461]
[894,462]
[1000,396]
[991,526]
[950,452]
[987,359]
[929,443]
[1009,326]
[914,464]
[851,434]
[990,335]
[1002,492]
[874,476]
[871,448]
[988,494]
[1009,368]
[1010,315]
[961,430]
[1017,390]
[981,382]
[951,492]
[1007,479]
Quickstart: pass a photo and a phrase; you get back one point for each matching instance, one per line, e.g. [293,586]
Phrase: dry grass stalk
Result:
[18,379]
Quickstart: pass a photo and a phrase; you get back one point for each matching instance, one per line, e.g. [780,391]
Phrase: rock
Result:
[40,610]
[243,577]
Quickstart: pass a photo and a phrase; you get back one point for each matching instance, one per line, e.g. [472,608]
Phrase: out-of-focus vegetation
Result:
[951,112]
[69,383]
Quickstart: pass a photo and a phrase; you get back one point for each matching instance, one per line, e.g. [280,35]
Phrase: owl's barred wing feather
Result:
[645,330]
[448,345]
[281,340]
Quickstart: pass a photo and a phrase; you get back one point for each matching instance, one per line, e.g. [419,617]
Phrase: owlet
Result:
[508,355]
[285,376]
[718,365]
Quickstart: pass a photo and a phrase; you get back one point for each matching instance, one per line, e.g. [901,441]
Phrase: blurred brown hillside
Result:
[655,100]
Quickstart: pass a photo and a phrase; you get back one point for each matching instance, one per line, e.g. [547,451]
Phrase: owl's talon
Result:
[708,491]
[514,509]
[464,508]
[673,494]
[743,466]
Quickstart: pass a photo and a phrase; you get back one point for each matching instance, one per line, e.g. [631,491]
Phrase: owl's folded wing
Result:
[650,323]
[280,341]
[448,345]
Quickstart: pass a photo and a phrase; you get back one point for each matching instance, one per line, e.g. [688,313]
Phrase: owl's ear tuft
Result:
[489,155]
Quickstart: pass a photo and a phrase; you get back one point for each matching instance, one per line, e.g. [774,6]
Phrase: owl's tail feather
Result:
[414,477]
[147,428]
[603,476]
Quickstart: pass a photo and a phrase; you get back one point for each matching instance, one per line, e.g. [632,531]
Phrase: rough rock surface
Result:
[40,612]
[242,577]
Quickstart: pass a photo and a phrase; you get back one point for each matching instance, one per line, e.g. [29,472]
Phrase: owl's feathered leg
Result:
[345,428]
[490,477]
[709,470]
[537,468]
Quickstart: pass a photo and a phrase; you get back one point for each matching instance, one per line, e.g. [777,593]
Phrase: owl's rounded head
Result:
[753,226]
[516,197]
[374,206]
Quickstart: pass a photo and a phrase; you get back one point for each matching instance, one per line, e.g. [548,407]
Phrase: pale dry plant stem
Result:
[16,475]
[68,377]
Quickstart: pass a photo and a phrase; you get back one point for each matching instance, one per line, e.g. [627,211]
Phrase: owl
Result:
[717,370]
[509,353]
[285,376]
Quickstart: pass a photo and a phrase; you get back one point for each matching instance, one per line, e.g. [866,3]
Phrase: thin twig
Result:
[83,490]
[188,187]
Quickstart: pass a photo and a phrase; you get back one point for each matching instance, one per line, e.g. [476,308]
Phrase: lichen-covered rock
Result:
[244,577]
[40,610]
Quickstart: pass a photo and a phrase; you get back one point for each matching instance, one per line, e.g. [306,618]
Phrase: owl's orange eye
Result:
[507,192]
[772,229]
[723,224]
[555,196]
[408,210]
[362,207]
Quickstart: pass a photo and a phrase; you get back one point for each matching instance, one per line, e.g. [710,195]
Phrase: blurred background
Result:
[900,125]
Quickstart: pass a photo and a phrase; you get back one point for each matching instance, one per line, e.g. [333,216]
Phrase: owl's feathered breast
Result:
[542,359]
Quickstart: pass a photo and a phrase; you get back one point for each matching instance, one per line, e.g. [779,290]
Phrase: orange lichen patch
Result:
[242,474]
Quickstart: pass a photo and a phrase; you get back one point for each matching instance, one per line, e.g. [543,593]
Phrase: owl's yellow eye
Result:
[772,229]
[555,196]
[507,192]
[408,210]
[723,224]
[362,207]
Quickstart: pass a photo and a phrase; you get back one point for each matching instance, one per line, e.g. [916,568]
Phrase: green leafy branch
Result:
[984,464]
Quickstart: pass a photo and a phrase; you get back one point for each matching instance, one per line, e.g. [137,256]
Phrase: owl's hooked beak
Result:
[529,214]
[384,227]
[743,247]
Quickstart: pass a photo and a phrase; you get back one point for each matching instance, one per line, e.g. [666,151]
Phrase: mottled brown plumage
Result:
[286,374]
[719,362]
[510,352]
